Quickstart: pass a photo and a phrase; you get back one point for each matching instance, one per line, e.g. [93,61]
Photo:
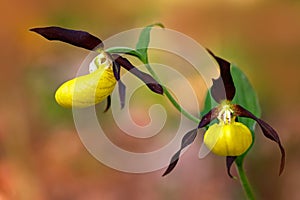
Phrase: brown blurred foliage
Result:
[41,156]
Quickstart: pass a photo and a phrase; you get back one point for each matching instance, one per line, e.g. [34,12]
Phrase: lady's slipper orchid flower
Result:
[104,70]
[89,89]
[228,137]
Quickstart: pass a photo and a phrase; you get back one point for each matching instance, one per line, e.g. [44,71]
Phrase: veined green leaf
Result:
[144,39]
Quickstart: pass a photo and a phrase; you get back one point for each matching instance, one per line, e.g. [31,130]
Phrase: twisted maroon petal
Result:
[108,104]
[208,117]
[187,139]
[151,83]
[229,161]
[121,85]
[268,131]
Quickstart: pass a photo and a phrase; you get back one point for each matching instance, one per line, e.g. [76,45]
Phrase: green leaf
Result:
[245,96]
[144,39]
[209,103]
[124,50]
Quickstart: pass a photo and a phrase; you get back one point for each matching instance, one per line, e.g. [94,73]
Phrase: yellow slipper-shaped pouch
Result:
[90,89]
[231,139]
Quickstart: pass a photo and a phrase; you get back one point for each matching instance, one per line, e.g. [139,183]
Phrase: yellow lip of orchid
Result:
[228,139]
[89,89]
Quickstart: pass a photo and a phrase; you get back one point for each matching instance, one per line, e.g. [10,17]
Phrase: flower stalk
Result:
[244,180]
[169,95]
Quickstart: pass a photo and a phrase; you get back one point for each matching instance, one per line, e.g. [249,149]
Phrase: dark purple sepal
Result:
[267,130]
[229,161]
[208,117]
[122,93]
[173,163]
[74,37]
[116,68]
[187,139]
[121,86]
[151,83]
[223,87]
[108,104]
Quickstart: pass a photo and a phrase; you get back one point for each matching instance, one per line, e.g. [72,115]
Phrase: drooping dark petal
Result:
[229,161]
[268,131]
[146,78]
[173,163]
[121,86]
[108,103]
[122,93]
[116,69]
[75,37]
[223,87]
[187,139]
[208,117]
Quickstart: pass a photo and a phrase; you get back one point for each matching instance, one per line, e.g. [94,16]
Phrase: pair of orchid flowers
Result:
[228,137]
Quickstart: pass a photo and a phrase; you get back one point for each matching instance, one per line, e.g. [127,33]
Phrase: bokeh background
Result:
[41,155]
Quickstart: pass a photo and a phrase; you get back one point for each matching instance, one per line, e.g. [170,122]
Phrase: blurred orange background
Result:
[41,155]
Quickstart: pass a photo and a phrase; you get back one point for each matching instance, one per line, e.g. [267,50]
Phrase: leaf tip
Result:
[159,24]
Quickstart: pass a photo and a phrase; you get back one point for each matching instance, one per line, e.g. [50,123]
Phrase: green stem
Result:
[168,94]
[244,180]
[144,59]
